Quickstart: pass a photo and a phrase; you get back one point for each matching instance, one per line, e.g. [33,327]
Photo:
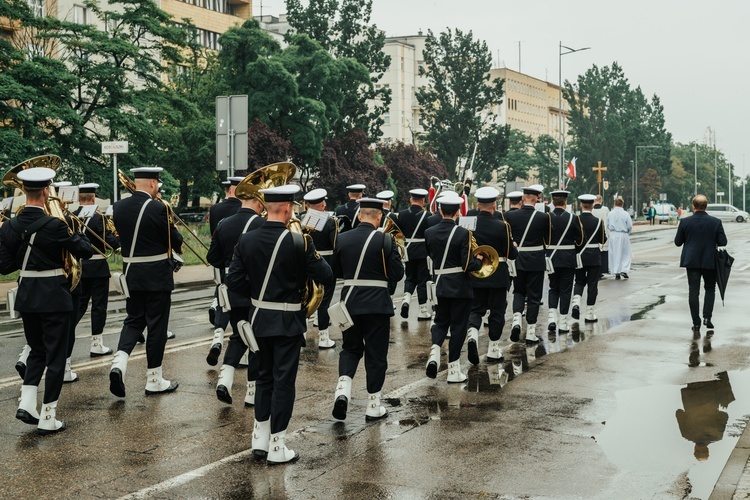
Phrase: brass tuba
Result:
[71,265]
[274,175]
[484,252]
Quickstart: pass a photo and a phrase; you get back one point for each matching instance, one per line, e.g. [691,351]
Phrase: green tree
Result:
[608,119]
[546,154]
[457,102]
[349,35]
[519,160]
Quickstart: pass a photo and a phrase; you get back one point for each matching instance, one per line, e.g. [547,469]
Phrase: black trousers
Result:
[236,347]
[527,288]
[494,299]
[416,277]
[146,309]
[588,277]
[694,289]
[221,317]
[453,314]
[324,321]
[76,296]
[48,336]
[369,337]
[561,288]
[96,290]
[605,263]
[275,387]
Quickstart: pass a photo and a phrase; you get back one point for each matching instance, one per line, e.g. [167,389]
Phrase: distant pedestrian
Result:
[700,234]
[631,212]
[620,226]
[652,214]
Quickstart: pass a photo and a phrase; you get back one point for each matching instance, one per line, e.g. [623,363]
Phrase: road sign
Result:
[720,193]
[114,147]
[231,133]
[662,196]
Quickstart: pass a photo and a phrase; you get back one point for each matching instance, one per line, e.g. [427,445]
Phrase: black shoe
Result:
[339,407]
[116,385]
[625,276]
[473,353]
[26,417]
[222,394]
[44,432]
[431,371]
[515,333]
[213,355]
[211,315]
[707,322]
[617,276]
[370,418]
[294,459]
[576,312]
[552,327]
[172,387]
[405,310]
[259,455]
[21,369]
[141,339]
[696,328]
[100,354]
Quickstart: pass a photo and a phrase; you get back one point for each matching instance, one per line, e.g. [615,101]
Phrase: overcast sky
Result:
[695,55]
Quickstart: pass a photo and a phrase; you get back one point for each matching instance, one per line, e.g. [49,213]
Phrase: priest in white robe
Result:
[619,226]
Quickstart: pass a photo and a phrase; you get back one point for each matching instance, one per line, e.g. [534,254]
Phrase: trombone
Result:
[172,217]
[107,247]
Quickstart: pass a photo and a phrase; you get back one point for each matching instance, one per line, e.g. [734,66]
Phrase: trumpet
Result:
[172,217]
[489,256]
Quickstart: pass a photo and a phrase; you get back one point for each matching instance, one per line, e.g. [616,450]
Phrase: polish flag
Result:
[570,170]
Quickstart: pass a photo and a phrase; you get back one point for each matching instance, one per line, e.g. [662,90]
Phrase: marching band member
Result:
[277,317]
[587,276]
[95,271]
[413,223]
[387,197]
[325,243]
[32,242]
[448,245]
[368,263]
[348,211]
[219,255]
[530,229]
[148,237]
[515,200]
[567,235]
[228,206]
[492,292]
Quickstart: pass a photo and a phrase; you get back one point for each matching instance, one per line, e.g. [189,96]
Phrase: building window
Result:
[37,7]
[80,14]
[215,5]
[34,50]
[208,39]
[387,118]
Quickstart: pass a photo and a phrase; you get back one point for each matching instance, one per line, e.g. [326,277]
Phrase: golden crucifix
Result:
[599,169]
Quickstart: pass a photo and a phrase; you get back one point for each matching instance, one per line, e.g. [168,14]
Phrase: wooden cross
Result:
[599,169]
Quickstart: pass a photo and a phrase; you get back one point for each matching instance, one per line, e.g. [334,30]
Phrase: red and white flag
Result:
[570,171]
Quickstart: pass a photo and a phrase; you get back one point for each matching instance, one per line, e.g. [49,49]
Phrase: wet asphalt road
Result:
[591,414]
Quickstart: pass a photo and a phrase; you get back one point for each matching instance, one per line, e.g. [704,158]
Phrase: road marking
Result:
[745,267]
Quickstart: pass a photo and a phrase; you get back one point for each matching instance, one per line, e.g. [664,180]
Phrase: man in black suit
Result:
[368,261]
[448,245]
[220,255]
[95,271]
[567,235]
[325,243]
[531,230]
[32,242]
[589,258]
[492,292]
[148,240]
[228,206]
[348,211]
[277,316]
[413,223]
[700,234]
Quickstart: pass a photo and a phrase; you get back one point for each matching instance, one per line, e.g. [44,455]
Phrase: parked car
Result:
[727,212]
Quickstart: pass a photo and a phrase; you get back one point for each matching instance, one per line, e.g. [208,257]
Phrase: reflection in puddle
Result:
[642,313]
[667,429]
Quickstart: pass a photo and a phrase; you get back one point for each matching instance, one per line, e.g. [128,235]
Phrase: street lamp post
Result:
[560,110]
[695,151]
[632,186]
[638,208]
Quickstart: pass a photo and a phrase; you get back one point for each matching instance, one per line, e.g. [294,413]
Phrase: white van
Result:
[727,212]
[666,212]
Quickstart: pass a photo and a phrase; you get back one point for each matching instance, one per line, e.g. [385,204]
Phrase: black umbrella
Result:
[723,268]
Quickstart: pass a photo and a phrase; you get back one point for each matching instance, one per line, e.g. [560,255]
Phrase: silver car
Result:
[727,212]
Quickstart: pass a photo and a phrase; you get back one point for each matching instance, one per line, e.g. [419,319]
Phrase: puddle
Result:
[642,313]
[662,431]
